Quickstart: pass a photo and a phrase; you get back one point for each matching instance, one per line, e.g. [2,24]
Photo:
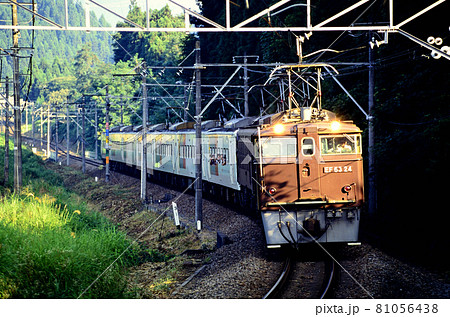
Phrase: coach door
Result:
[308,168]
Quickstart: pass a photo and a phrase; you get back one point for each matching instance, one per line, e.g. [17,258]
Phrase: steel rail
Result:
[75,157]
[329,279]
[87,160]
[281,280]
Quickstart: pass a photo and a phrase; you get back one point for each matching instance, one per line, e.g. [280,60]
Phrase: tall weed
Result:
[53,246]
[42,257]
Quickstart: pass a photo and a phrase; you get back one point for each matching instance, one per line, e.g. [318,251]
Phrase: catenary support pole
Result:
[78,128]
[26,118]
[2,115]
[6,170]
[96,132]
[185,104]
[17,111]
[68,136]
[290,93]
[371,177]
[56,134]
[246,109]
[121,112]
[33,122]
[49,135]
[42,127]
[144,138]
[83,136]
[198,140]
[107,136]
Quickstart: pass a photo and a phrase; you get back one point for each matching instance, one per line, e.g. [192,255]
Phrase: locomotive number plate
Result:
[337,169]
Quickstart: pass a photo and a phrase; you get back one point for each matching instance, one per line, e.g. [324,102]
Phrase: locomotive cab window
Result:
[278,147]
[308,146]
[340,144]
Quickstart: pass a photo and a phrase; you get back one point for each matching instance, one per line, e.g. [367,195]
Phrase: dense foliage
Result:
[54,51]
[154,49]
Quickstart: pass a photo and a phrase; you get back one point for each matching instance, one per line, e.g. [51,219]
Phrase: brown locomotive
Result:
[311,179]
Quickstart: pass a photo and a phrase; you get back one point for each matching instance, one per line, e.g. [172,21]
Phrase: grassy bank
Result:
[52,245]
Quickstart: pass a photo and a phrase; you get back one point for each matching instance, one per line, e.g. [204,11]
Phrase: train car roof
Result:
[304,118]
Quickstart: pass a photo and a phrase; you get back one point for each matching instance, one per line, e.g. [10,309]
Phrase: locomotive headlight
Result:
[278,128]
[335,125]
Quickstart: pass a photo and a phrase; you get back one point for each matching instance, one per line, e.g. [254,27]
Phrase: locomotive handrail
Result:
[313,202]
[309,202]
[341,160]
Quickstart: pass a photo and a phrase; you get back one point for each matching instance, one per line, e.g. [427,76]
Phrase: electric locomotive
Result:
[311,178]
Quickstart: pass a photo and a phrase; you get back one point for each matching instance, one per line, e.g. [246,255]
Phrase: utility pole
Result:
[372,182]
[7,132]
[198,140]
[144,138]
[67,136]
[17,112]
[107,136]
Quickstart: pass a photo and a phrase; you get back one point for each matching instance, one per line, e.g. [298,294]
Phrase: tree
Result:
[156,48]
[87,69]
[57,97]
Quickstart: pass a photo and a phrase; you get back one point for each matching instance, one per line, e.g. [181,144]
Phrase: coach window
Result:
[308,146]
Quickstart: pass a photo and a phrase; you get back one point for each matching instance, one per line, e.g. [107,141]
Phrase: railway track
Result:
[300,279]
[61,153]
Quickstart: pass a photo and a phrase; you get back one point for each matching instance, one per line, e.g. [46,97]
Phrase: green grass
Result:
[53,246]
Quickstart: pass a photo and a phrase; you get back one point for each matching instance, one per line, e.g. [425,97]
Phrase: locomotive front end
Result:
[311,181]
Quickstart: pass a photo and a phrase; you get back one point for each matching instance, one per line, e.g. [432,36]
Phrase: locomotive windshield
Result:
[340,144]
[281,147]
